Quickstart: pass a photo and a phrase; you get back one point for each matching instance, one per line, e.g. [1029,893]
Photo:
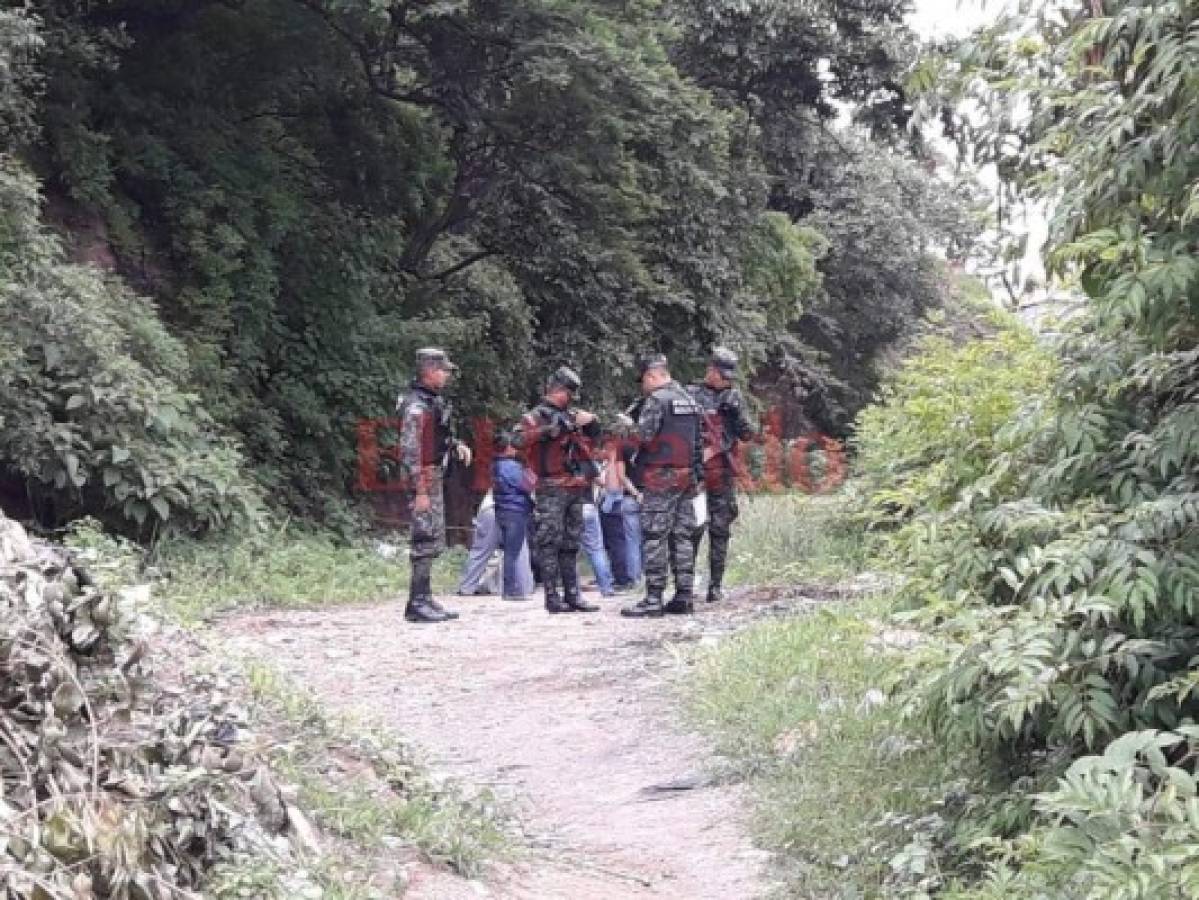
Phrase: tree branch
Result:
[463,264]
[417,97]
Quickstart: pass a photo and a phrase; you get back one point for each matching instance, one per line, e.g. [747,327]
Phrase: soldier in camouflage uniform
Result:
[558,442]
[725,423]
[665,468]
[427,443]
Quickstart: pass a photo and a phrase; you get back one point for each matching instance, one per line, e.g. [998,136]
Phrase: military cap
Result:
[566,377]
[433,358]
[724,360]
[651,361]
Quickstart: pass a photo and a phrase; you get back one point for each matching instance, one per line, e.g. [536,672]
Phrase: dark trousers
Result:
[558,514]
[668,523]
[612,525]
[514,528]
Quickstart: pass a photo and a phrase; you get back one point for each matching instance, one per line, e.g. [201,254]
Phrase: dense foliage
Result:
[310,189]
[941,415]
[1061,585]
[94,395]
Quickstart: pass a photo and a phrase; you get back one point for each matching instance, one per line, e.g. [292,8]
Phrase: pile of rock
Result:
[111,785]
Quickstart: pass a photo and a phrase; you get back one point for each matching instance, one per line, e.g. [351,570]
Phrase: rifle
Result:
[578,460]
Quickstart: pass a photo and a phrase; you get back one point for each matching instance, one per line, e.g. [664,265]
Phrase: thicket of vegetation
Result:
[95,395]
[307,190]
[288,196]
[1040,497]
[1051,509]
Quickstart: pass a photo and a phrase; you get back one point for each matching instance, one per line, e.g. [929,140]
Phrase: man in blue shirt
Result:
[513,492]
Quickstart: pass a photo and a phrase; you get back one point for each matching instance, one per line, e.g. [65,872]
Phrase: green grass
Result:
[837,782]
[793,538]
[798,708]
[286,569]
[385,798]
[369,799]
[778,539]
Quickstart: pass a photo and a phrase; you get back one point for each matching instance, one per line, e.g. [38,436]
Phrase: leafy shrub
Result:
[942,416]
[1062,584]
[92,400]
[1081,541]
[1120,826]
[20,42]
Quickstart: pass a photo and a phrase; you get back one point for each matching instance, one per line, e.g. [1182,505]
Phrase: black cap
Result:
[566,377]
[433,358]
[724,360]
[651,361]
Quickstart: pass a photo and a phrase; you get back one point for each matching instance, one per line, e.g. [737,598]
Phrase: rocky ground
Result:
[573,721]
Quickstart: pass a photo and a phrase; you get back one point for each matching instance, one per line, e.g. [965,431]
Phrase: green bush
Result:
[1076,556]
[942,417]
[1120,826]
[1060,575]
[95,415]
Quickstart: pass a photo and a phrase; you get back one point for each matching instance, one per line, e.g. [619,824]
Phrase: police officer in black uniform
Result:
[665,468]
[559,442]
[725,423]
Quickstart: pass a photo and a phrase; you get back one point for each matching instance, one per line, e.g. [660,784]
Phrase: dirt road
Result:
[573,718]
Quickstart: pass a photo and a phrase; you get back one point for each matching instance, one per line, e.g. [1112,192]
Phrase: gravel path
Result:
[571,718]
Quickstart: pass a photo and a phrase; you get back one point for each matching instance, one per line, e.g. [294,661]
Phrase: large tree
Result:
[795,72]
[310,189]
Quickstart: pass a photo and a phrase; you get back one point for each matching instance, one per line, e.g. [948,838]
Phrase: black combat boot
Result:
[649,608]
[715,577]
[426,587]
[567,565]
[448,613]
[554,604]
[421,607]
[422,611]
[553,601]
[681,604]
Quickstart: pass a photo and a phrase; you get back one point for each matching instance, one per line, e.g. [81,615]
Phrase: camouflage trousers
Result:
[668,539]
[722,513]
[558,525]
[426,538]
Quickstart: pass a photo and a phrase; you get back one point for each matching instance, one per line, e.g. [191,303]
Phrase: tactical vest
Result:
[434,451]
[719,425]
[676,445]
[565,457]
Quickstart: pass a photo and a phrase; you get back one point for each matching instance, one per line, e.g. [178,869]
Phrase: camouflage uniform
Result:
[426,441]
[665,469]
[559,453]
[725,423]
[558,513]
